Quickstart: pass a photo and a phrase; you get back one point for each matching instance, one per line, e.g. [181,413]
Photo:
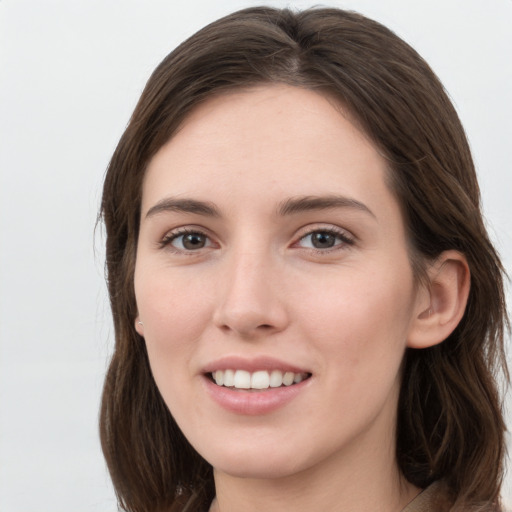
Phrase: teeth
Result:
[229,378]
[260,380]
[288,378]
[276,379]
[241,379]
[218,377]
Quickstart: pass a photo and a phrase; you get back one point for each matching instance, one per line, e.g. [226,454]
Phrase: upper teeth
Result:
[242,379]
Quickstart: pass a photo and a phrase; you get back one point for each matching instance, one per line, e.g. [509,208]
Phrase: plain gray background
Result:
[70,75]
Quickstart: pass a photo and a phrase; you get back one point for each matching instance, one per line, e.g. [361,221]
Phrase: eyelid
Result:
[346,237]
[166,240]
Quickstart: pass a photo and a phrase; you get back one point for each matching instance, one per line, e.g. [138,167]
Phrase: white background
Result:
[70,75]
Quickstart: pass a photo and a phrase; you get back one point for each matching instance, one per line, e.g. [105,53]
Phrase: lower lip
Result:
[253,403]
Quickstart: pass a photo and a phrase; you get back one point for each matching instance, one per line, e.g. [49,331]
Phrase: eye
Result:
[186,241]
[324,239]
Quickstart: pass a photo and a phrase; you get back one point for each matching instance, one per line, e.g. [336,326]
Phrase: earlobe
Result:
[139,326]
[442,301]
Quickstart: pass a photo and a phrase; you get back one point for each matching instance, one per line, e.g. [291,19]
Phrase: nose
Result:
[250,297]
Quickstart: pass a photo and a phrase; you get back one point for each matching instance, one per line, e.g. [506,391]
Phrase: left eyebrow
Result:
[309,203]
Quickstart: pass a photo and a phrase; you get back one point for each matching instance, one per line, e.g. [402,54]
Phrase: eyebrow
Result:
[289,207]
[311,203]
[170,204]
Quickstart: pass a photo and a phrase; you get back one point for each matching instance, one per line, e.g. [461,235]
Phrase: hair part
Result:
[450,422]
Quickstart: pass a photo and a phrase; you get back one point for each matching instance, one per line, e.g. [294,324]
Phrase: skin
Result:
[258,286]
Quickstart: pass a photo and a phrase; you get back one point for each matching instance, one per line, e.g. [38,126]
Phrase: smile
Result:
[258,380]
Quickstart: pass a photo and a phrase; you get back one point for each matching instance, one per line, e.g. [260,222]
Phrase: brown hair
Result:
[450,424]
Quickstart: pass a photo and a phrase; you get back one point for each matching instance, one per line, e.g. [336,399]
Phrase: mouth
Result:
[256,381]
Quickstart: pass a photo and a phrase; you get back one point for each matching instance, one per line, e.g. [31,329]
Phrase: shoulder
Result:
[435,499]
[427,500]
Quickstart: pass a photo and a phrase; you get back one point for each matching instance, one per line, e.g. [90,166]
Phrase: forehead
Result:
[266,115]
[272,138]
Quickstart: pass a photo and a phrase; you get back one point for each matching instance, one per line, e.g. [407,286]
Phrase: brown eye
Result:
[325,239]
[194,241]
[191,241]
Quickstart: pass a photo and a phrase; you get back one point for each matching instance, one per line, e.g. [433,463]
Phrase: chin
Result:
[257,462]
[260,469]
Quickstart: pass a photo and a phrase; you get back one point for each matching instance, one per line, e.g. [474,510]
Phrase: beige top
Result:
[424,502]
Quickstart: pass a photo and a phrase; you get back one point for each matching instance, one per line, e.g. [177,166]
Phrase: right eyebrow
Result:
[172,204]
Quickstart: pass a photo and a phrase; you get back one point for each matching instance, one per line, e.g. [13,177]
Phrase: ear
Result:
[139,326]
[441,301]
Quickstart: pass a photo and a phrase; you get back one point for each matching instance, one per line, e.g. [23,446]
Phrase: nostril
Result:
[248,319]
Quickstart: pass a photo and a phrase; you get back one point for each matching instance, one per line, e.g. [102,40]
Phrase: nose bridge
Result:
[250,301]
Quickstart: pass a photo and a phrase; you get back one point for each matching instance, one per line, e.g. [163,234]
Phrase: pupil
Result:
[323,240]
[193,241]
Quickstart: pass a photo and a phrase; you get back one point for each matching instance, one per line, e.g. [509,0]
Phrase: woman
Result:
[309,314]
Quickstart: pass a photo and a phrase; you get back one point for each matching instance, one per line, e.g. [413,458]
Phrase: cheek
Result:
[360,319]
[361,336]
[170,328]
[174,317]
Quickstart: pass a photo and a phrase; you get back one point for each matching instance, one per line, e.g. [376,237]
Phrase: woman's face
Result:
[270,250]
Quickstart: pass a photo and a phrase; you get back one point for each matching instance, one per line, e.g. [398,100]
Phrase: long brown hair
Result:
[450,423]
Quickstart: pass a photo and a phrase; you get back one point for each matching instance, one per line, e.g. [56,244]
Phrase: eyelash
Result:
[346,240]
[167,240]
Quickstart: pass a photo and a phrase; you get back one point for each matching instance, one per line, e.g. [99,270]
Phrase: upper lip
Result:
[252,365]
